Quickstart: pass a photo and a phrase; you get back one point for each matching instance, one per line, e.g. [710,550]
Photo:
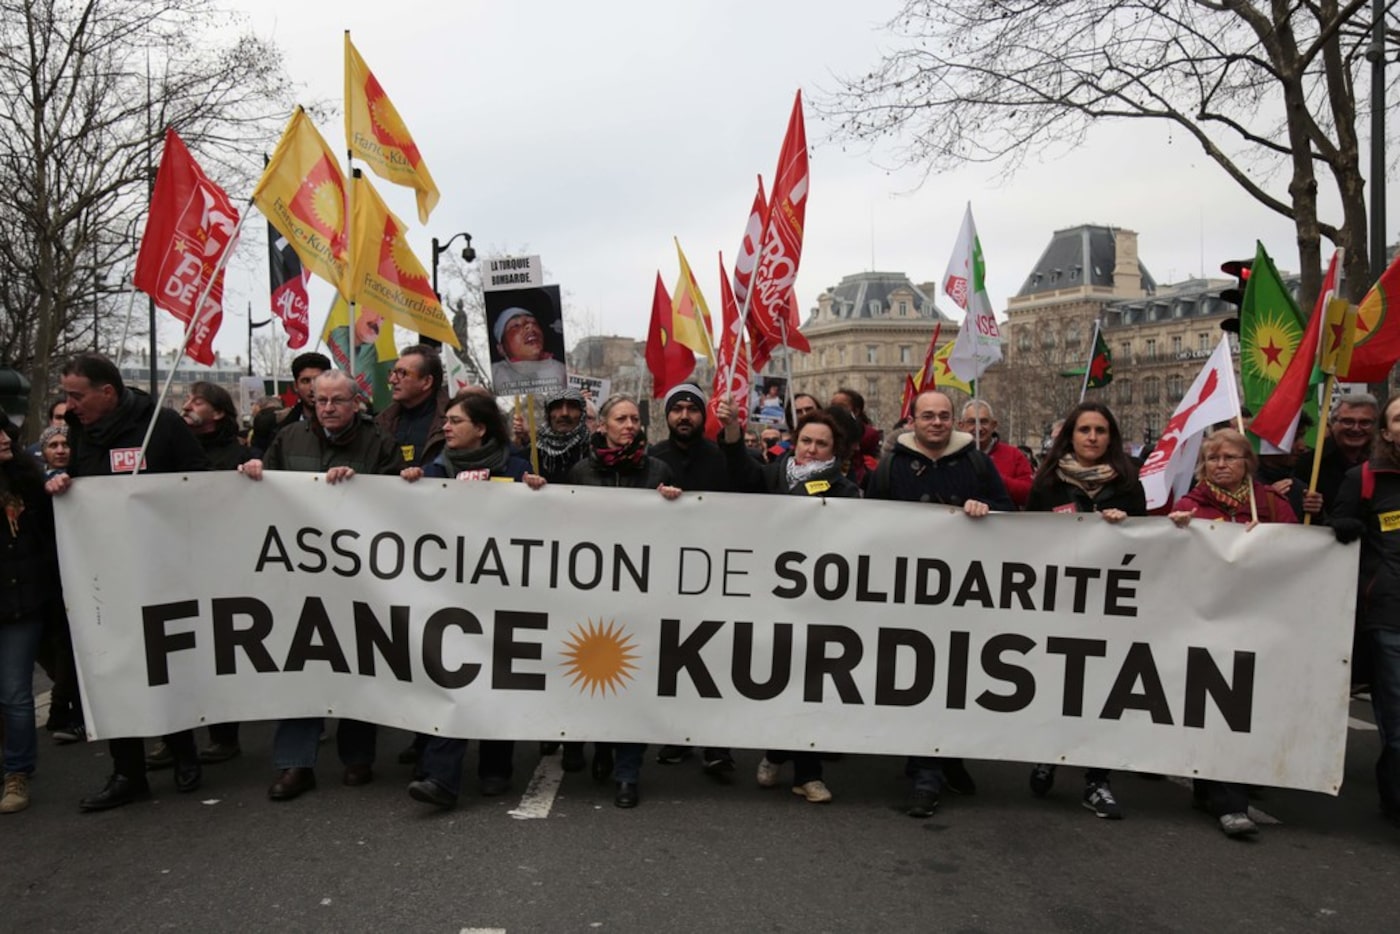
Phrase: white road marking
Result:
[538,799]
[482,931]
[1358,724]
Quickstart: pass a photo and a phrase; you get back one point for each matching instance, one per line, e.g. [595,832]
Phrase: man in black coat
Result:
[107,422]
[699,467]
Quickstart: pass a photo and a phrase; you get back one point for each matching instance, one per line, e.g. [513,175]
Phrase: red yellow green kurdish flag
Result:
[384,275]
[302,192]
[1377,331]
[375,133]
[943,375]
[1271,328]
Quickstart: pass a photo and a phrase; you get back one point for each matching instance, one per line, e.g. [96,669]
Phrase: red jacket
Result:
[1015,470]
[1272,507]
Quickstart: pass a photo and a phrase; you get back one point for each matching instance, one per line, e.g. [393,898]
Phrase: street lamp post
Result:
[251,325]
[468,255]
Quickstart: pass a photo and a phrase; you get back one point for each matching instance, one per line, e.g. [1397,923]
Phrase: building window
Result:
[1072,334]
[872,353]
[1151,390]
[1125,352]
[872,390]
[1203,342]
[903,309]
[874,308]
[1176,387]
[1176,346]
[841,355]
[1151,352]
[1125,390]
[1023,338]
[1047,338]
[1154,427]
[906,353]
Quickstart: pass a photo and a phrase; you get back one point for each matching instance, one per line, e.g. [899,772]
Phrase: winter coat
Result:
[223,448]
[1015,470]
[1378,581]
[1271,506]
[28,561]
[110,445]
[698,468]
[747,475]
[593,472]
[1124,493]
[962,473]
[515,469]
[389,420]
[363,447]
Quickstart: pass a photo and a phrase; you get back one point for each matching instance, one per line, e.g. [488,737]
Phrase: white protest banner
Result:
[512,272]
[492,611]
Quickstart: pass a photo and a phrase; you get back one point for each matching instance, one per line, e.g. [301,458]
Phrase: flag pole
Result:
[787,372]
[195,318]
[1325,402]
[1093,349]
[350,264]
[126,327]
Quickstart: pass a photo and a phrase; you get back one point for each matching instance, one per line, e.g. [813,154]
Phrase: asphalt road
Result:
[696,856]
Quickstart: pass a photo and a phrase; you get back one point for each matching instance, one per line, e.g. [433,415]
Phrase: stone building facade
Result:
[868,332]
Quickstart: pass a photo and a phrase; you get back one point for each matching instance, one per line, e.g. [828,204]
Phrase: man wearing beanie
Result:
[699,467]
[563,439]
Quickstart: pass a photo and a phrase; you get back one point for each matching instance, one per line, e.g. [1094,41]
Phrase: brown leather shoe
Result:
[358,775]
[291,783]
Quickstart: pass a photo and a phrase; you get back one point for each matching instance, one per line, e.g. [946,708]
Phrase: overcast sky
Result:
[591,133]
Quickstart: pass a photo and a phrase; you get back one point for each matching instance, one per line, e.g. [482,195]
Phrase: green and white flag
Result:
[979,341]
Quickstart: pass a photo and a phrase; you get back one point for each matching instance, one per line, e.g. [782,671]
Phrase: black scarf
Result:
[489,455]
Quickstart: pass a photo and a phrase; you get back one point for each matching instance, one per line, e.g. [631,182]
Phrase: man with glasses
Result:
[415,417]
[1351,433]
[339,443]
[935,463]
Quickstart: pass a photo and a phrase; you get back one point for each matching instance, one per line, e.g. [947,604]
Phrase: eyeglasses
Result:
[934,417]
[401,372]
[335,402]
[1355,422]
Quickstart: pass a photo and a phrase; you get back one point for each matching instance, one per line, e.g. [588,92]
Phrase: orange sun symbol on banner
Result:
[320,202]
[600,657]
[398,264]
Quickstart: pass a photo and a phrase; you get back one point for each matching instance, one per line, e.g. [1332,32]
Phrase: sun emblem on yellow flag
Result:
[599,656]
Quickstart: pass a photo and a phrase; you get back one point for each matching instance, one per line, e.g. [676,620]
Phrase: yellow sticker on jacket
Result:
[817,486]
[1390,521]
[408,452]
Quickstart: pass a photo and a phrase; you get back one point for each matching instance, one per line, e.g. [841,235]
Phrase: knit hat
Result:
[500,327]
[685,392]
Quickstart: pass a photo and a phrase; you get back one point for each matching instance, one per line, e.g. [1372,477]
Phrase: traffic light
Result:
[1239,268]
[14,394]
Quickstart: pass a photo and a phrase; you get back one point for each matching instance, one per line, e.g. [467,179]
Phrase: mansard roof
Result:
[1078,256]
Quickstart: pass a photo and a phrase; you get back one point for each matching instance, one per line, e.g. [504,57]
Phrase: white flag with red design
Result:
[772,306]
[1212,398]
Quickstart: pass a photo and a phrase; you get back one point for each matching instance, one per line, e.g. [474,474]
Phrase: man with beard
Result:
[107,424]
[212,416]
[699,467]
[563,440]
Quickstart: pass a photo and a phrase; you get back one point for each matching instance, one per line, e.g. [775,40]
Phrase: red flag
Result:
[731,346]
[191,228]
[669,361]
[911,392]
[772,305]
[288,279]
[1377,331]
[1277,420]
[744,264]
[926,378]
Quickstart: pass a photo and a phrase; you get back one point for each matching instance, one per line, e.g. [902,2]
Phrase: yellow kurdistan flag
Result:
[384,275]
[302,193]
[690,316]
[943,377]
[375,133]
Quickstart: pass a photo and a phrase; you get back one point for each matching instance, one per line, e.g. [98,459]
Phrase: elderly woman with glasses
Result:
[1224,491]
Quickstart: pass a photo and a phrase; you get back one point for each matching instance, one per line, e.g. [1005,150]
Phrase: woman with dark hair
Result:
[617,457]
[811,468]
[1086,470]
[1227,484]
[476,447]
[28,585]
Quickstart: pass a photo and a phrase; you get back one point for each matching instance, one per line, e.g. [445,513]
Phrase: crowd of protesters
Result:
[832,450]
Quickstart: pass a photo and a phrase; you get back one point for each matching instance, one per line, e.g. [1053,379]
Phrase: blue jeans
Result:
[19,644]
[926,771]
[295,742]
[1385,702]
[442,759]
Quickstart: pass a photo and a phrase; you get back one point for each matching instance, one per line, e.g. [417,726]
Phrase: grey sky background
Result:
[592,133]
